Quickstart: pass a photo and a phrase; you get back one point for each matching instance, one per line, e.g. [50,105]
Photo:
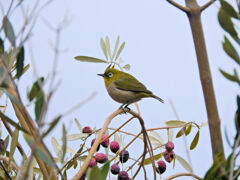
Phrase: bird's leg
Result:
[126,106]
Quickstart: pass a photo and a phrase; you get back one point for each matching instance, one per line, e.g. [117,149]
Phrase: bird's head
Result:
[110,75]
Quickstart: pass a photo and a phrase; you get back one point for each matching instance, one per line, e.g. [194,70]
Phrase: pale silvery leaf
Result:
[104,49]
[184,163]
[155,138]
[170,134]
[120,50]
[108,46]
[127,67]
[73,137]
[116,47]
[70,150]
[204,124]
[174,123]
[56,147]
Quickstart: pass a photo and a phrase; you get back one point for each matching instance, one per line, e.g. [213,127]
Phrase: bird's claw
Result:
[124,108]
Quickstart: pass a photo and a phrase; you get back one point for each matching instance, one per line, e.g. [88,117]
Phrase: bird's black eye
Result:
[110,74]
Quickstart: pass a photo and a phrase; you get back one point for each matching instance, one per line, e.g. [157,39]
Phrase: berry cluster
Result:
[102,158]
[168,156]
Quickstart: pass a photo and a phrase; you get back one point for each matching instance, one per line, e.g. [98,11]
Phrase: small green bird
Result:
[124,88]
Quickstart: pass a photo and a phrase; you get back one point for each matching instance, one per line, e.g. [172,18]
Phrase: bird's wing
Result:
[131,84]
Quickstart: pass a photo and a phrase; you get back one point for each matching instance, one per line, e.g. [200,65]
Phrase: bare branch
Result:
[205,6]
[179,6]
[183,174]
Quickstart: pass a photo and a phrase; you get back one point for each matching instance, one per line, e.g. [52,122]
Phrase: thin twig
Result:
[183,174]
[202,8]
[185,9]
[5,171]
[233,157]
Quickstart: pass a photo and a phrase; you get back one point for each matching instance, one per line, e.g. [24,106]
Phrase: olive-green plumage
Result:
[124,88]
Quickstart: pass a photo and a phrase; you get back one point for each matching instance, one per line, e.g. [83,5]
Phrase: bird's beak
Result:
[103,75]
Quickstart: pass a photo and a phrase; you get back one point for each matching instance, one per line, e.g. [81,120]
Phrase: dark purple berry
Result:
[93,143]
[161,166]
[115,169]
[87,130]
[105,143]
[123,175]
[169,146]
[168,156]
[2,146]
[101,157]
[124,156]
[92,163]
[114,146]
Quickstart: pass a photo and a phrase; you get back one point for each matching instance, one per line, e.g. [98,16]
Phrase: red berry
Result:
[124,156]
[168,156]
[92,163]
[115,169]
[101,157]
[93,143]
[114,146]
[169,146]
[123,175]
[161,166]
[87,130]
[105,143]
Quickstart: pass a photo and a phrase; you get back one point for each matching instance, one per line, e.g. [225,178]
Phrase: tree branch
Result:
[205,6]
[183,174]
[179,6]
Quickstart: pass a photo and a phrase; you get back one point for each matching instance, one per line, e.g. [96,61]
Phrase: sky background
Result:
[160,50]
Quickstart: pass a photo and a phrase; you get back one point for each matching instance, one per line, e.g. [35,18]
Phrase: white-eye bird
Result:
[124,88]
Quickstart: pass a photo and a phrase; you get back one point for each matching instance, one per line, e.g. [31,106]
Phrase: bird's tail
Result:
[158,98]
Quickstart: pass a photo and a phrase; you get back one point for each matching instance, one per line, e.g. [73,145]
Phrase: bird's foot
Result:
[124,108]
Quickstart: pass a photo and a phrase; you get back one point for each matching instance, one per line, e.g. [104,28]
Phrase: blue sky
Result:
[160,50]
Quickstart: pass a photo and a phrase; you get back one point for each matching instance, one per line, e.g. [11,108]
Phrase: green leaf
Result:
[214,169]
[120,50]
[89,59]
[39,151]
[105,170]
[35,89]
[226,22]
[184,163]
[52,125]
[14,143]
[229,9]
[10,121]
[1,46]
[39,105]
[230,77]
[195,141]
[24,70]
[8,30]
[181,132]
[104,49]
[230,50]
[94,173]
[149,161]
[78,124]
[64,145]
[175,123]
[116,47]
[108,47]
[6,142]
[188,130]
[20,62]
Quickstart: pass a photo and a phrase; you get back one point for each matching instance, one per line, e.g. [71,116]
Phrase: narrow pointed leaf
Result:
[53,124]
[108,47]
[195,141]
[149,161]
[127,67]
[6,142]
[10,121]
[78,124]
[104,49]
[20,62]
[35,89]
[175,123]
[230,77]
[105,170]
[230,50]
[155,138]
[73,137]
[8,30]
[14,143]
[56,147]
[39,151]
[184,163]
[181,132]
[39,105]
[188,130]
[1,46]
[64,146]
[89,59]
[24,70]
[116,47]
[120,50]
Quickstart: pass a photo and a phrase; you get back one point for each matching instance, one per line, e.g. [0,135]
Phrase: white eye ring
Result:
[110,74]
